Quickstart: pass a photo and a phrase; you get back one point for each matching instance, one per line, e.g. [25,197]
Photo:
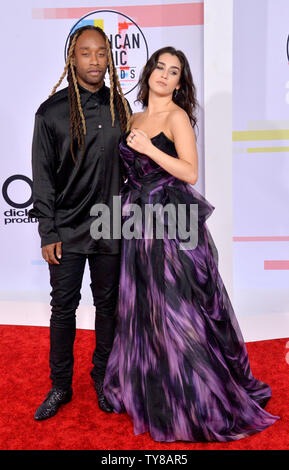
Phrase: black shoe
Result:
[102,401]
[55,398]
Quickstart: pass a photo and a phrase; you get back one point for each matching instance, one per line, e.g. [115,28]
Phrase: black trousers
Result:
[66,280]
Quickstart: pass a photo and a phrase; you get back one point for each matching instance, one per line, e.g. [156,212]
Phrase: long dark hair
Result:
[185,97]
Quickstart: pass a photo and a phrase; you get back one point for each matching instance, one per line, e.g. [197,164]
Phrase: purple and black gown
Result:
[179,366]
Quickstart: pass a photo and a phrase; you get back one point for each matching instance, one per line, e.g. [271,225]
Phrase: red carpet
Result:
[80,425]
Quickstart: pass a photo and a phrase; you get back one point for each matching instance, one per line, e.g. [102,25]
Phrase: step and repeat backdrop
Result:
[261,164]
[34,38]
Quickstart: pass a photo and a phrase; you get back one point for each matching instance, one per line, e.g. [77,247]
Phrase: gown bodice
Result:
[149,182]
[140,168]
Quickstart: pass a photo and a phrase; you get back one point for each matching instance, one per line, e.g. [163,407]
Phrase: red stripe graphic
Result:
[268,264]
[276,264]
[262,239]
[146,16]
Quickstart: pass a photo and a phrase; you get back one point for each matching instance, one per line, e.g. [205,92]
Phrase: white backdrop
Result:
[260,163]
[237,53]
[33,53]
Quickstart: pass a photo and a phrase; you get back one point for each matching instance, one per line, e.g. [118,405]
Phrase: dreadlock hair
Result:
[117,99]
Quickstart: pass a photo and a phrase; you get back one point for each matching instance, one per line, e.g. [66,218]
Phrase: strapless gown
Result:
[179,366]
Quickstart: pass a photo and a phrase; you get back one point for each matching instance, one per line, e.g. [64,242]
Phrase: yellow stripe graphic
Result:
[267,149]
[275,134]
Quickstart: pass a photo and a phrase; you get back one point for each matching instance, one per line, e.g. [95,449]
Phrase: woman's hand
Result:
[139,141]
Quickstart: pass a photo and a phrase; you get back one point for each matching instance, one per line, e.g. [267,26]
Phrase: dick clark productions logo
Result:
[19,185]
[128,44]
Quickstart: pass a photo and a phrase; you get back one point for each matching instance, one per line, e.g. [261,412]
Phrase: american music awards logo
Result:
[128,43]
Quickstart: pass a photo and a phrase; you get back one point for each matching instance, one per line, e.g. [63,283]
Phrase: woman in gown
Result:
[178,366]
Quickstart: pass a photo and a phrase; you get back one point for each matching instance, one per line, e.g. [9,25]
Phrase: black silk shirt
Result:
[64,192]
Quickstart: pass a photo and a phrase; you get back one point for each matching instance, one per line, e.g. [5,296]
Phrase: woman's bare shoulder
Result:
[134,117]
[178,121]
[178,113]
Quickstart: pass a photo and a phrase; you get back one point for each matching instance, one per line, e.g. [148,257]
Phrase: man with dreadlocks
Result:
[76,164]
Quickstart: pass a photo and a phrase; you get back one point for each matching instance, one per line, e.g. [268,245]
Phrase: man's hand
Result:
[49,252]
